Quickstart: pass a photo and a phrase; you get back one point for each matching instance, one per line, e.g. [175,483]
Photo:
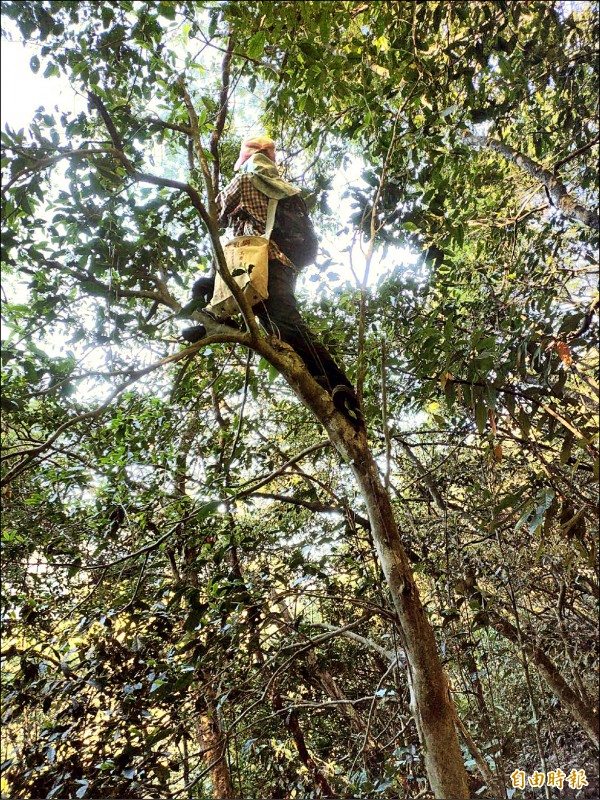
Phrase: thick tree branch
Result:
[208,213]
[145,177]
[556,189]
[585,716]
[136,175]
[390,655]
[576,153]
[97,103]
[116,292]
[170,126]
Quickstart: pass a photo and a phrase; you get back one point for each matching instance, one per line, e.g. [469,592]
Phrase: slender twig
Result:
[212,214]
[280,470]
[29,455]
[179,378]
[243,406]
[374,231]
[42,163]
[574,154]
[222,115]
[311,505]
[143,551]
[81,603]
[256,61]
[115,291]
[374,700]
[129,604]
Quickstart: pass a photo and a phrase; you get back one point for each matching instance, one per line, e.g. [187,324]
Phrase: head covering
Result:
[253,145]
[264,175]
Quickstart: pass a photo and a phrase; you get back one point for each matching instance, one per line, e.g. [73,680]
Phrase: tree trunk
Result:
[578,709]
[207,726]
[210,739]
[431,703]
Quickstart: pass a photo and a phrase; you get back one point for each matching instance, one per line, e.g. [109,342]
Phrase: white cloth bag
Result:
[247,260]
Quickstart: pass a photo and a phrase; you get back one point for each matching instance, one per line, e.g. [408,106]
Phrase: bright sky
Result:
[23,91]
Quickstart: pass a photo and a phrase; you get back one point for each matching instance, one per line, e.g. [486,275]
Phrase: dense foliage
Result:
[192,603]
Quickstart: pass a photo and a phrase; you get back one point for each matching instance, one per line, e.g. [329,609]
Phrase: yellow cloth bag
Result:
[247,259]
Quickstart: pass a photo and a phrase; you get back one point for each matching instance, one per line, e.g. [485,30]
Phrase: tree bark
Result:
[431,703]
[556,189]
[210,739]
[579,710]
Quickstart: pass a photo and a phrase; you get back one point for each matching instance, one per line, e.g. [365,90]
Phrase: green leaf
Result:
[9,405]
[256,45]
[481,415]
[207,510]
[510,501]
[524,422]
[567,446]
[450,110]
[459,235]
[51,70]
[191,623]
[525,516]
[167,9]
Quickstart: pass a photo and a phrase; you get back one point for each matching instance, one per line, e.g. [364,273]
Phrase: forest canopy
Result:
[213,586]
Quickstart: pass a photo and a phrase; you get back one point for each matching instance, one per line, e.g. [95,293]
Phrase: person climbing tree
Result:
[243,205]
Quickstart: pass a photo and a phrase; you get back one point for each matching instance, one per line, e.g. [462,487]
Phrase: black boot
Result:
[202,291]
[194,334]
[346,402]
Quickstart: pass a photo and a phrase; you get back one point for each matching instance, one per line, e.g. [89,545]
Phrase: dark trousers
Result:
[279,315]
